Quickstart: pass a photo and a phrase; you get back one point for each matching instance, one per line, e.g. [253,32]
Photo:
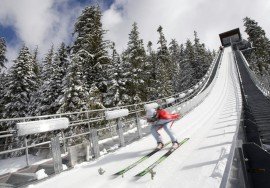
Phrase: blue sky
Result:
[51,24]
[9,32]
[44,23]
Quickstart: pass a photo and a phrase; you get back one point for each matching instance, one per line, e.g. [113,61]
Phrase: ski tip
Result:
[113,176]
[118,174]
[136,177]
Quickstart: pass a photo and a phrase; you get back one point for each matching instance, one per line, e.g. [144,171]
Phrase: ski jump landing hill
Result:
[203,161]
[228,131]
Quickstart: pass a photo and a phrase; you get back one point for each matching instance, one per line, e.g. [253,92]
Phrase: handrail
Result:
[259,82]
[203,80]
[239,111]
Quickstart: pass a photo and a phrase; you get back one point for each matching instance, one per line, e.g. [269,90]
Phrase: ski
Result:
[162,158]
[121,172]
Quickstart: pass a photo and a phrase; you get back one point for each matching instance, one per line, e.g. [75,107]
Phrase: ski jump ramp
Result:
[200,162]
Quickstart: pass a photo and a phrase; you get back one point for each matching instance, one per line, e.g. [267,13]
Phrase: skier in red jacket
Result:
[160,118]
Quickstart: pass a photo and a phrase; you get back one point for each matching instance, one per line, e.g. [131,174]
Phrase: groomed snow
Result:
[198,163]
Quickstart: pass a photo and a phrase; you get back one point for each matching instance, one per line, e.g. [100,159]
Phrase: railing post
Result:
[120,132]
[56,153]
[89,127]
[64,140]
[138,123]
[26,151]
[94,138]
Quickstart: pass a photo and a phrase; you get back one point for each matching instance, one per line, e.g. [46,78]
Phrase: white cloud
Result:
[38,22]
[180,18]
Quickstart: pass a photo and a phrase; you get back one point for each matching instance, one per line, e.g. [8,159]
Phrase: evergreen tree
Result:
[117,86]
[21,84]
[75,96]
[37,66]
[175,59]
[43,73]
[52,89]
[260,57]
[151,73]
[164,67]
[135,56]
[190,58]
[62,54]
[3,50]
[3,80]
[186,71]
[92,49]
[3,84]
[203,57]
[198,63]
[47,69]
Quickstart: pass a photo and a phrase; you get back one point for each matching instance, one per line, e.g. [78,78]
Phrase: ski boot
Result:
[160,145]
[175,145]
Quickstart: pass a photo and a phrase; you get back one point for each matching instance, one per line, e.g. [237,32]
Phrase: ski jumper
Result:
[162,119]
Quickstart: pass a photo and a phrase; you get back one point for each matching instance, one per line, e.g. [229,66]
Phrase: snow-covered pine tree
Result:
[37,66]
[3,77]
[203,57]
[151,73]
[185,69]
[52,89]
[190,58]
[117,86]
[21,84]
[3,84]
[46,70]
[92,48]
[76,96]
[164,67]
[260,57]
[63,58]
[135,56]
[174,50]
[198,64]
[3,50]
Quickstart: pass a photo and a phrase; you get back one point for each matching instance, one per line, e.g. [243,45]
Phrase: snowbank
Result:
[150,106]
[33,127]
[116,114]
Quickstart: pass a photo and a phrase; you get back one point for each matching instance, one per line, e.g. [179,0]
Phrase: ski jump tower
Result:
[229,37]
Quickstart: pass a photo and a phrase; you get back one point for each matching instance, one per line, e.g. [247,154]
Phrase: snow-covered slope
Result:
[198,163]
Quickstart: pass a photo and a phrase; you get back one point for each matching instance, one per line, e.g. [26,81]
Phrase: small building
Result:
[232,36]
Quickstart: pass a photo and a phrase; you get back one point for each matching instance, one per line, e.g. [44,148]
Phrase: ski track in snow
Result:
[200,162]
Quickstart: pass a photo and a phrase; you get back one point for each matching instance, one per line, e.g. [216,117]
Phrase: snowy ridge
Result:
[201,162]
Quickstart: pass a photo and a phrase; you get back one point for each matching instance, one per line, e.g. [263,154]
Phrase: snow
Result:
[116,114]
[200,162]
[182,95]
[150,106]
[33,127]
[41,174]
[13,164]
[170,100]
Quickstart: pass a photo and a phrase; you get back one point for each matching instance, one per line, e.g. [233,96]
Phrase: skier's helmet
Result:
[159,102]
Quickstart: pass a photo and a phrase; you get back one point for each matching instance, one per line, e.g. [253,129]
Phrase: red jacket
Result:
[163,114]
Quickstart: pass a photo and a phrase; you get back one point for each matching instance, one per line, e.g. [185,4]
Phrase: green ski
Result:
[121,172]
[162,158]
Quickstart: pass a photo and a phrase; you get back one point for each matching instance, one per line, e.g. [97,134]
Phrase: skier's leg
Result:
[155,133]
[169,131]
